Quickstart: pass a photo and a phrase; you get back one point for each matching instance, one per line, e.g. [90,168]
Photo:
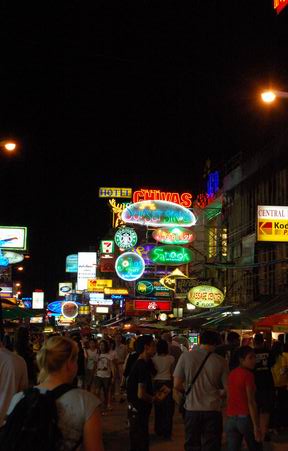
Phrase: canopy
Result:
[18,313]
[275,323]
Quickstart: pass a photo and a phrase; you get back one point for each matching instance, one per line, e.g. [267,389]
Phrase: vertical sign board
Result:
[86,268]
[38,299]
[272,223]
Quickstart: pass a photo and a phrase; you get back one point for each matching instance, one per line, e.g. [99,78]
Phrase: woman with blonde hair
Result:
[79,419]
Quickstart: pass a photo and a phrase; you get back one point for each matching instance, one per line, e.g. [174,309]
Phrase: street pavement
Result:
[115,433]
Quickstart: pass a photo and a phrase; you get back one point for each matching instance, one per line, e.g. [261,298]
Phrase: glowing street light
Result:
[271,95]
[8,145]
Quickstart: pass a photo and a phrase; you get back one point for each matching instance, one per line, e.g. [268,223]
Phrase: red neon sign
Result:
[279,5]
[184,199]
[151,306]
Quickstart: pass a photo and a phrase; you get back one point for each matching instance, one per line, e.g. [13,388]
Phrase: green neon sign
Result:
[170,255]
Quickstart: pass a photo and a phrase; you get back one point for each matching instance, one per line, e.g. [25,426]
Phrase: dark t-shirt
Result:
[140,374]
[263,375]
[229,352]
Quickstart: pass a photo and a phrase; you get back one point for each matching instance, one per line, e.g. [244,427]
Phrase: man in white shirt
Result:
[13,378]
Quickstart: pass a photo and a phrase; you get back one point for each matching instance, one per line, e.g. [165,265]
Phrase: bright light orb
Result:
[10,146]
[268,96]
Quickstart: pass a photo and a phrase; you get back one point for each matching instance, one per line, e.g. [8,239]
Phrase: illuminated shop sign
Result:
[117,209]
[38,299]
[115,192]
[107,263]
[213,183]
[107,247]
[13,238]
[279,5]
[101,301]
[158,213]
[129,266]
[64,288]
[116,291]
[69,309]
[171,255]
[169,281]
[272,223]
[72,263]
[125,238]
[184,285]
[151,288]
[56,306]
[102,309]
[86,268]
[184,199]
[98,284]
[173,235]
[205,296]
[143,250]
[150,306]
[10,258]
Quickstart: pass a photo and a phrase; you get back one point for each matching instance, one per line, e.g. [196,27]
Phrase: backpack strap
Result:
[57,392]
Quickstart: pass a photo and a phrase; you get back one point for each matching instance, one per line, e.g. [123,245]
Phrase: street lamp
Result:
[270,96]
[8,145]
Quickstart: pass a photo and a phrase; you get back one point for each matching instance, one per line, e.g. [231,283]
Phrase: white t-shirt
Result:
[163,364]
[104,365]
[74,408]
[13,378]
[92,356]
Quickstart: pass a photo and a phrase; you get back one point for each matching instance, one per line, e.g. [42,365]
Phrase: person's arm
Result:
[179,375]
[250,390]
[142,394]
[92,435]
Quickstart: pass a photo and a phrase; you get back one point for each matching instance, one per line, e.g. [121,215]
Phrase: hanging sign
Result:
[98,284]
[148,305]
[69,309]
[107,247]
[171,255]
[205,296]
[184,199]
[125,238]
[158,213]
[72,263]
[129,266]
[169,281]
[151,287]
[173,235]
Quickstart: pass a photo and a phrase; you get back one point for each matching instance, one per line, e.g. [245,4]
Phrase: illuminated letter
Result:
[149,194]
[175,198]
[165,196]
[138,196]
[186,200]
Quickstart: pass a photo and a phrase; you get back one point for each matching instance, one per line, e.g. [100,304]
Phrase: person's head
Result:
[104,346]
[258,340]
[233,338]
[246,357]
[92,344]
[167,337]
[162,347]
[209,338]
[58,356]
[146,345]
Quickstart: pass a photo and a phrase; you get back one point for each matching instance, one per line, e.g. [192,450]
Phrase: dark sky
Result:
[126,93]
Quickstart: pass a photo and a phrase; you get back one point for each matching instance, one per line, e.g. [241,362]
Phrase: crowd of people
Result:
[219,385]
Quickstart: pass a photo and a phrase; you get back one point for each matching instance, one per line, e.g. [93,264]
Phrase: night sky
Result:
[126,93]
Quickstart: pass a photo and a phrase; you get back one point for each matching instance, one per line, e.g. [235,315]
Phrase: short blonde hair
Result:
[54,353]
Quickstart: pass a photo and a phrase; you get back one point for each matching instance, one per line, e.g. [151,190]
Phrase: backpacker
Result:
[33,423]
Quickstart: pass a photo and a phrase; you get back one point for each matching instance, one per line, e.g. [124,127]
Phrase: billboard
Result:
[87,262]
[38,299]
[13,237]
[272,223]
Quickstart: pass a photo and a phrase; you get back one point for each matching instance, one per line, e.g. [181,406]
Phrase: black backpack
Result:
[33,423]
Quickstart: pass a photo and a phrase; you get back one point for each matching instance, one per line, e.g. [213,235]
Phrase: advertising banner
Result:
[98,284]
[38,299]
[13,238]
[150,287]
[272,223]
[148,305]
[87,262]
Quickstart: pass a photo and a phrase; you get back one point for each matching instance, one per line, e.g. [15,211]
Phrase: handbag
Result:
[183,398]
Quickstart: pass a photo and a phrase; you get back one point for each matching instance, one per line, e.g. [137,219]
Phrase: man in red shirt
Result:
[242,416]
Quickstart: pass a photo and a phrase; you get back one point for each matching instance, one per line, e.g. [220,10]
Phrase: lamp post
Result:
[8,146]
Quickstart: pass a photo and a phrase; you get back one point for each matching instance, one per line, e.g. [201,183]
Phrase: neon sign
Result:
[158,213]
[171,255]
[175,235]
[184,199]
[205,296]
[129,266]
[125,238]
[69,309]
